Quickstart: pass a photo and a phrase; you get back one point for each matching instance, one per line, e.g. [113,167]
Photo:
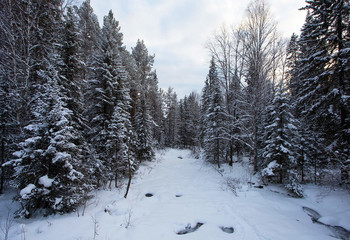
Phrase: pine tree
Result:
[216,134]
[102,96]
[291,65]
[171,110]
[72,67]
[192,111]
[41,85]
[122,142]
[322,72]
[282,140]
[155,103]
[206,91]
[189,121]
[143,121]
[90,38]
[235,118]
[13,84]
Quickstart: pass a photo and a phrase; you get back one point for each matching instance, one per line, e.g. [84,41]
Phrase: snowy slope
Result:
[191,200]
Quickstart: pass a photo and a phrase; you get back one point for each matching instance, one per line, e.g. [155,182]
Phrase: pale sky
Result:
[176,31]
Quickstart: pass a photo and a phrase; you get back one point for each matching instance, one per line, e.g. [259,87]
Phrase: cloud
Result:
[177,31]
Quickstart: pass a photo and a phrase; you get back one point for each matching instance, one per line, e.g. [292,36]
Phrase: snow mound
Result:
[46,181]
[27,190]
[268,171]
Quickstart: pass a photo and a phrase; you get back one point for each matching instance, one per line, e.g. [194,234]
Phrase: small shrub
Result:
[294,187]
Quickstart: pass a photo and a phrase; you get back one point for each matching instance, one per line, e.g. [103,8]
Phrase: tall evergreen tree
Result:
[189,121]
[90,38]
[41,89]
[282,140]
[171,111]
[102,94]
[122,142]
[143,121]
[322,72]
[155,103]
[291,65]
[235,119]
[216,132]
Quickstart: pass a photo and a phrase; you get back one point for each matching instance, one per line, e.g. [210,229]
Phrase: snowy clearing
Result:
[179,197]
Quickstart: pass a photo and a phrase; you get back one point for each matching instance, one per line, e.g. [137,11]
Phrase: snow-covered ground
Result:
[191,200]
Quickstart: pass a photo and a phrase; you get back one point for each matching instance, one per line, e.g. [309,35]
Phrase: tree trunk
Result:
[231,154]
[130,176]
[2,177]
[116,180]
[255,150]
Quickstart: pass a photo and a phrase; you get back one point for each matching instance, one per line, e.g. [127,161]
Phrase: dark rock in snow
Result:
[190,229]
[149,195]
[227,229]
[312,213]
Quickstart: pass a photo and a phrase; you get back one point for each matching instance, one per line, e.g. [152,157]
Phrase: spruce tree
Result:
[189,121]
[142,120]
[155,103]
[171,110]
[216,132]
[90,38]
[282,140]
[102,95]
[322,72]
[143,123]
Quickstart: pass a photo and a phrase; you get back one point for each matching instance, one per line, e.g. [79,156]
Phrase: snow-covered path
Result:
[191,200]
[185,192]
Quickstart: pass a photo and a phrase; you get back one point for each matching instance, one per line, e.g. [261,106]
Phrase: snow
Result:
[268,171]
[27,190]
[61,156]
[46,181]
[32,140]
[18,154]
[191,200]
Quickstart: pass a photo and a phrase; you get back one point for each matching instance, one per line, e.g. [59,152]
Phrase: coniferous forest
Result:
[80,112]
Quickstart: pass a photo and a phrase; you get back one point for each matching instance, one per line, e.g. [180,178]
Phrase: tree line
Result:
[78,110]
[284,104]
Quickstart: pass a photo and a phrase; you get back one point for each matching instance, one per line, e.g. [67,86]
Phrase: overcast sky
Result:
[176,31]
